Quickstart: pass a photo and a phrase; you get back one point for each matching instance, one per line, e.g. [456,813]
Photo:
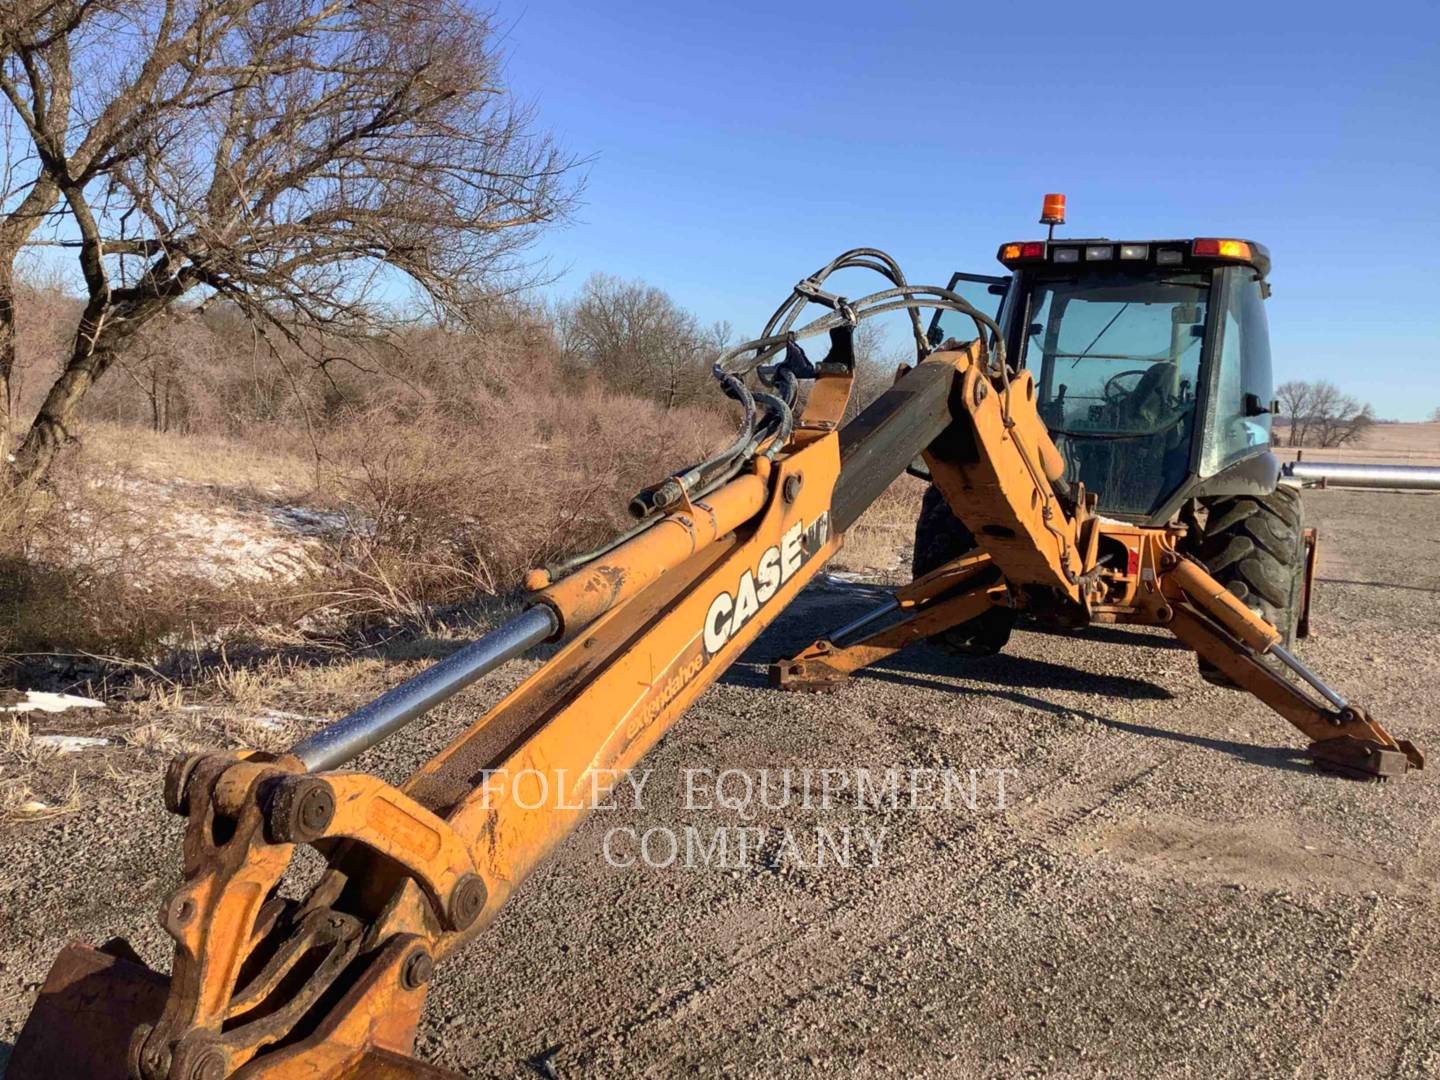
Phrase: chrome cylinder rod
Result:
[1309,676]
[864,620]
[1336,474]
[369,724]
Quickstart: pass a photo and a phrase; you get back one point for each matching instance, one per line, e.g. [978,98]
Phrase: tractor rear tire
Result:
[1254,545]
[940,537]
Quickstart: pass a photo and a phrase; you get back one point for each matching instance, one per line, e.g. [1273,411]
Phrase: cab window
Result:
[1116,354]
[1116,358]
[983,292]
[1242,378]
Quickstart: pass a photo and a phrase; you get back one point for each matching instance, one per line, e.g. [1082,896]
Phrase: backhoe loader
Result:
[1095,433]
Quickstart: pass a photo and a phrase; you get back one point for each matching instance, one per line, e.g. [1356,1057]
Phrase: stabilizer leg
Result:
[948,596]
[1207,617]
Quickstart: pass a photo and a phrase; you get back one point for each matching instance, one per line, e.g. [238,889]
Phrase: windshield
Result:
[1116,358]
[1116,354]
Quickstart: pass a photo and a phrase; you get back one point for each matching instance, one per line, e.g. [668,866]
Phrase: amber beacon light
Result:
[1052,212]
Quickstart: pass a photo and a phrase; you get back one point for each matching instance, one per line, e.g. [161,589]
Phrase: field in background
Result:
[1394,444]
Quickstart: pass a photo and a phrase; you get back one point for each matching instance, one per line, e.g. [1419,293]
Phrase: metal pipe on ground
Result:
[1418,477]
[347,738]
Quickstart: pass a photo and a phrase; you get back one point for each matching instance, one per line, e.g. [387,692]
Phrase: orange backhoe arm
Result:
[332,985]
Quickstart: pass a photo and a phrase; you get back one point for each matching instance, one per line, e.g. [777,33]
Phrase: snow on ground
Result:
[204,530]
[40,701]
[69,744]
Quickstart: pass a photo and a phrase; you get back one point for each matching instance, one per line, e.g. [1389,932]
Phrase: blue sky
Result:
[739,146]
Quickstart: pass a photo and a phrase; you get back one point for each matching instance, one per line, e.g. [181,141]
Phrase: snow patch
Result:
[198,531]
[69,744]
[39,700]
[275,719]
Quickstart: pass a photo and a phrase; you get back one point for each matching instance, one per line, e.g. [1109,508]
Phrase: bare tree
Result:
[1321,415]
[154,362]
[300,159]
[639,340]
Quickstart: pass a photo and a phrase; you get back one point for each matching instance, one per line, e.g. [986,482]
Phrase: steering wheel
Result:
[1114,393]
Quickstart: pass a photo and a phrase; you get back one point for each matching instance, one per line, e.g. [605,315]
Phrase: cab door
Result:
[984,292]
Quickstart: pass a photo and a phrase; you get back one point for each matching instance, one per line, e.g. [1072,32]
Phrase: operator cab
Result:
[1151,361]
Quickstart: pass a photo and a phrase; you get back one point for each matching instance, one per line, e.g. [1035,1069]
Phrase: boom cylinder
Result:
[367,725]
[569,604]
[609,581]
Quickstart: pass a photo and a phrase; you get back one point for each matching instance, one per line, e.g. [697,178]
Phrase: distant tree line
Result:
[1320,414]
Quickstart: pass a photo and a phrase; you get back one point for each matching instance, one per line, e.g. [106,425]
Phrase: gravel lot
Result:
[1169,889]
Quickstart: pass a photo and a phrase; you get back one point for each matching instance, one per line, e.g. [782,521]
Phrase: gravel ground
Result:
[1168,890]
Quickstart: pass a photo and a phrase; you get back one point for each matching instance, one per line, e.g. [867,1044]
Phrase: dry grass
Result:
[881,540]
[145,544]
[259,465]
[19,803]
[83,568]
[20,759]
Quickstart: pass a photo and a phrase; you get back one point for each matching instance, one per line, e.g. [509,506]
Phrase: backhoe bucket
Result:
[94,999]
[88,1009]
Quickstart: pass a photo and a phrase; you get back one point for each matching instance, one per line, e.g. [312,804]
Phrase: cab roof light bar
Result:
[1163,253]
[1215,248]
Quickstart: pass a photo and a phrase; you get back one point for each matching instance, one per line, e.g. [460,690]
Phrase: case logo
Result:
[730,611]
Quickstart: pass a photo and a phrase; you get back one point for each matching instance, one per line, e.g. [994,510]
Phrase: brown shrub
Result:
[445,504]
[459,458]
[77,565]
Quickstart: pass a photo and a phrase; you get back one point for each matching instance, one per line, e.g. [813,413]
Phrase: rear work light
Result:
[1134,251]
[1223,249]
[1099,252]
[1067,255]
[1169,257]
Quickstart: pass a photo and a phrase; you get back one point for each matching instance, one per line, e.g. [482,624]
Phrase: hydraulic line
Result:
[651,505]
[670,491]
[766,347]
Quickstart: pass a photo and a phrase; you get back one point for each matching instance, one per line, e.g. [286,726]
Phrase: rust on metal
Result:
[91,1004]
